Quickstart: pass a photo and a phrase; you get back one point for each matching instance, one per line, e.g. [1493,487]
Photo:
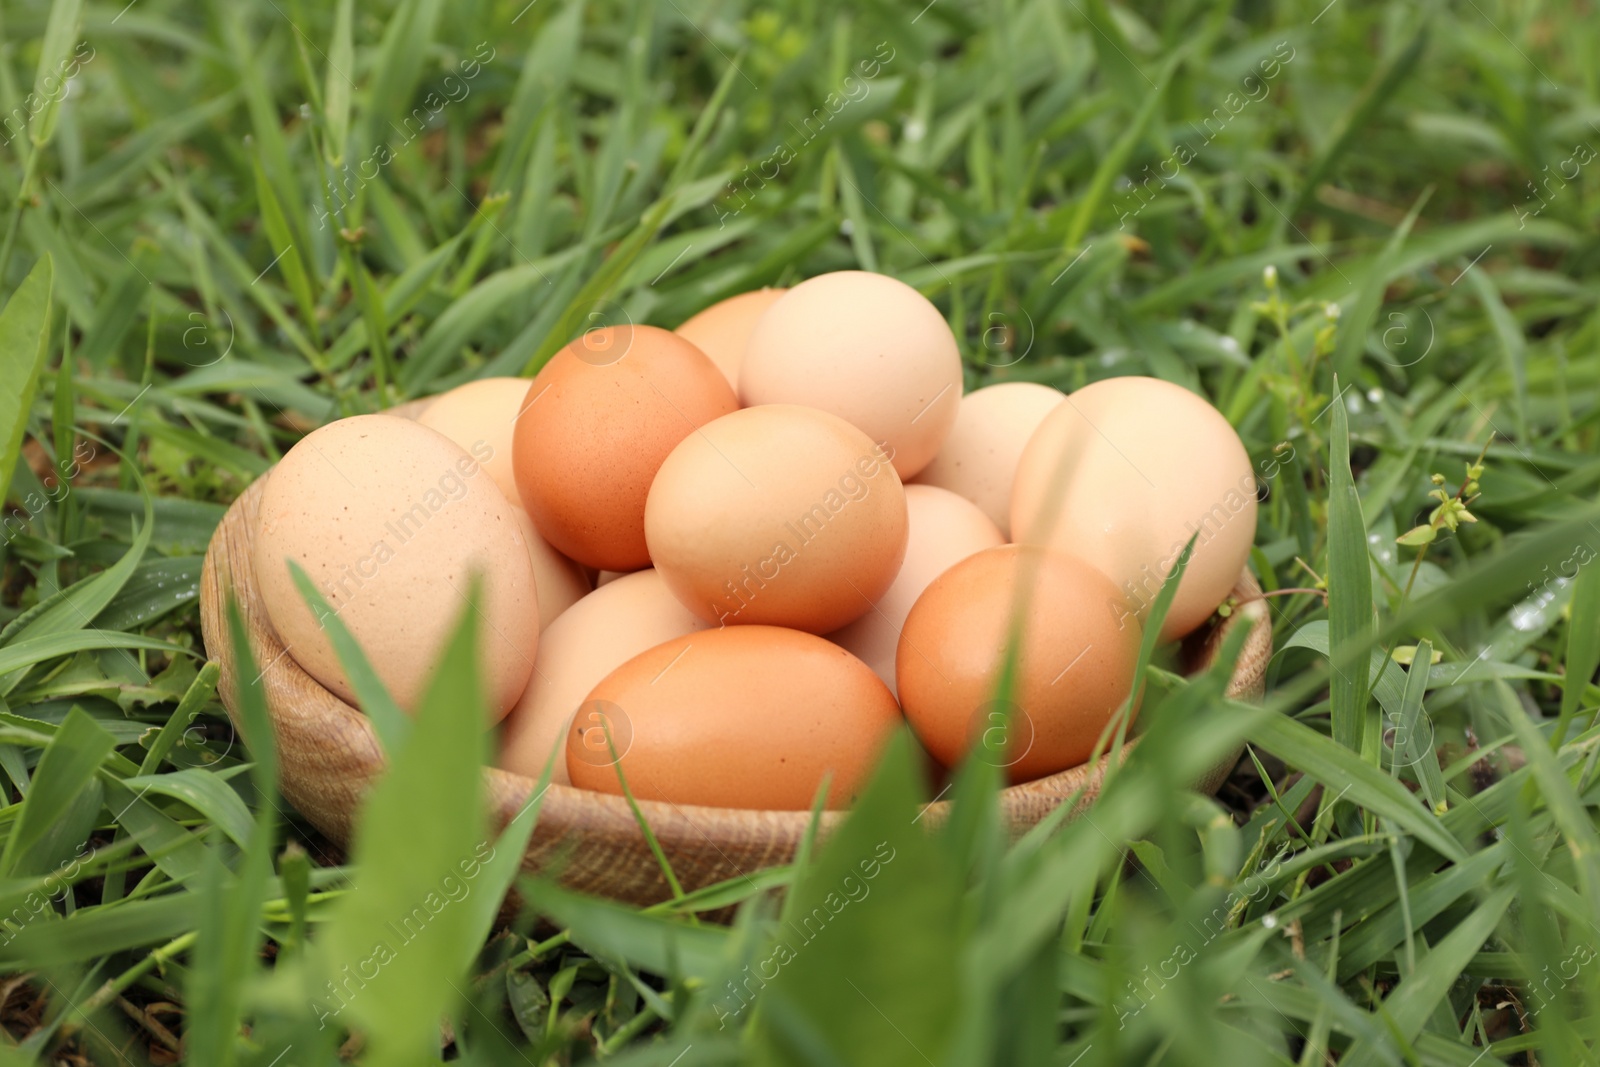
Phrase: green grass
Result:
[1257,200]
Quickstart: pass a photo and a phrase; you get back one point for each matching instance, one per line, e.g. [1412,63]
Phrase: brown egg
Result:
[561,582]
[742,717]
[1123,474]
[482,413]
[598,421]
[1074,668]
[594,637]
[781,515]
[722,331]
[866,347]
[481,416]
[979,458]
[944,530]
[390,521]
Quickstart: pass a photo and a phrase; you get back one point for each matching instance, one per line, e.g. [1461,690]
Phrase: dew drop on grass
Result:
[1382,548]
[1539,610]
[1270,922]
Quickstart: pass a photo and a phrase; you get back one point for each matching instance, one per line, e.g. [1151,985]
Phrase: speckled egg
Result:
[390,520]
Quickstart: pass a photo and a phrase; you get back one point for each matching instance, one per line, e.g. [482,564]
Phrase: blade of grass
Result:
[230,933]
[24,338]
[1337,767]
[1349,596]
[66,771]
[1583,649]
[1407,744]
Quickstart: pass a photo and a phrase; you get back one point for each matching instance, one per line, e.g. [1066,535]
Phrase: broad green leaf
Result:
[158,586]
[177,852]
[38,649]
[880,908]
[76,607]
[93,933]
[205,792]
[180,525]
[419,854]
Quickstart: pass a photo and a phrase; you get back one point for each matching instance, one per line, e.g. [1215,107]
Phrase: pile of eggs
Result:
[729,560]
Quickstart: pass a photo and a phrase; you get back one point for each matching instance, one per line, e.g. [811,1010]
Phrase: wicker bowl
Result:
[328,755]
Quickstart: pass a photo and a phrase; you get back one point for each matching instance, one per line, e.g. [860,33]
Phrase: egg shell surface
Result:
[866,347]
[779,515]
[626,616]
[390,520]
[979,458]
[944,529]
[722,331]
[561,582]
[1123,474]
[1074,664]
[482,415]
[741,717]
[597,423]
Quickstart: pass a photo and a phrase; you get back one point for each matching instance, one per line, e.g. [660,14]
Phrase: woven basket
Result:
[328,756]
